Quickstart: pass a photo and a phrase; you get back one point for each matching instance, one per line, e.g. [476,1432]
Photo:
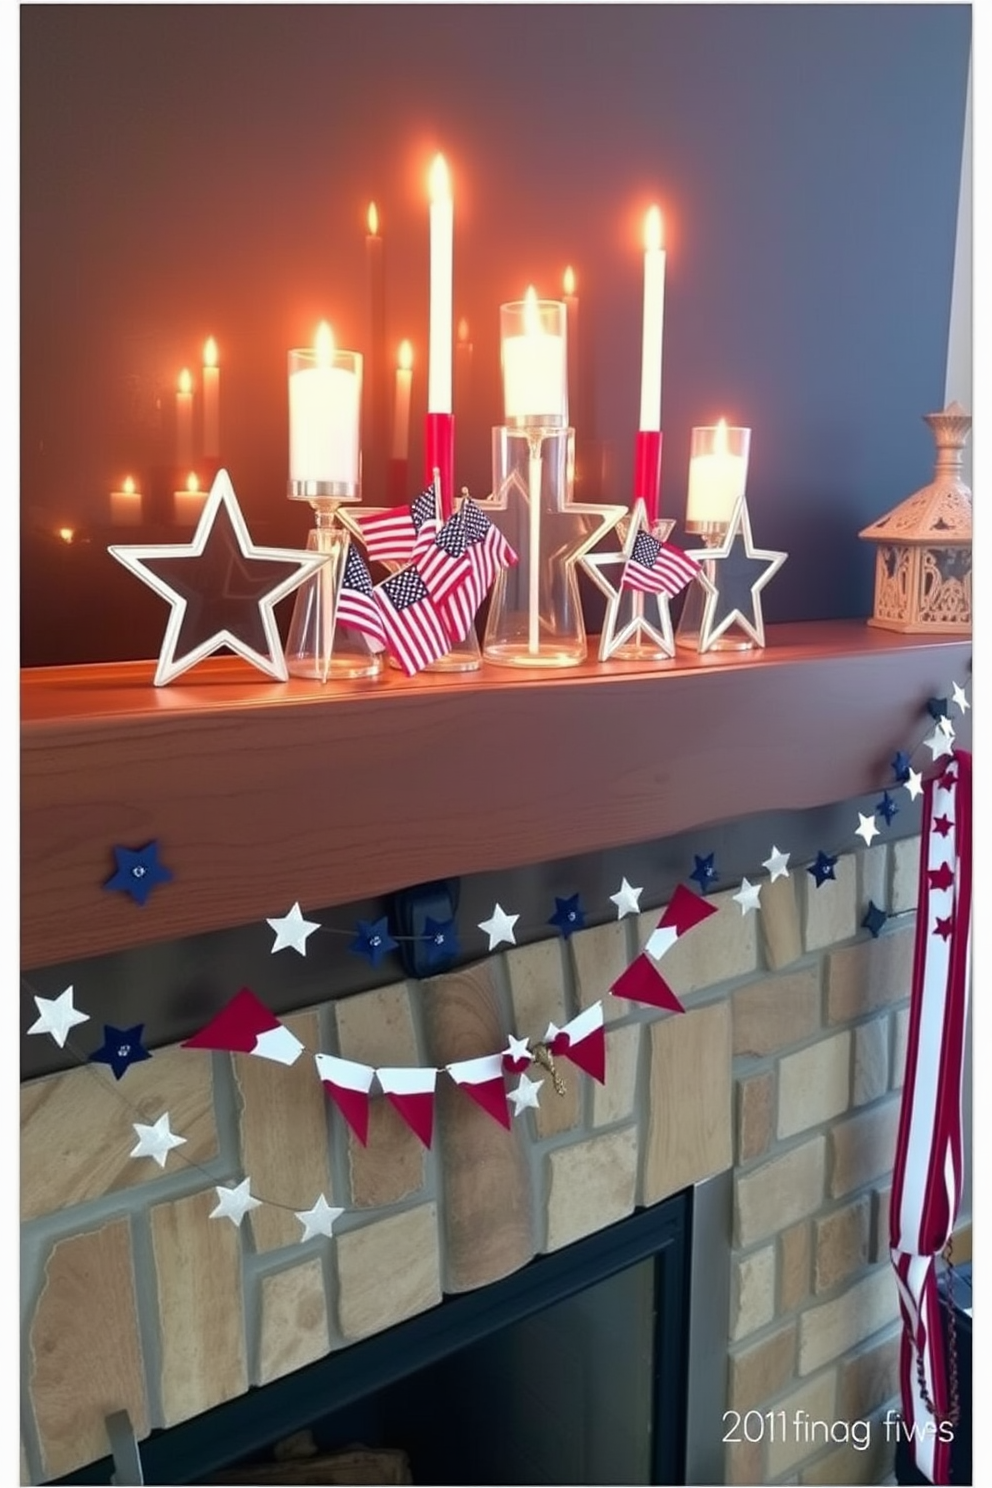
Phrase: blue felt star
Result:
[823,868]
[440,940]
[704,873]
[121,1047]
[874,919]
[373,940]
[138,872]
[900,766]
[937,708]
[569,915]
[886,807]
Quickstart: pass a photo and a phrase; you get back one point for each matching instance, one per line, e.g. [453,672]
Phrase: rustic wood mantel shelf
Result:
[260,794]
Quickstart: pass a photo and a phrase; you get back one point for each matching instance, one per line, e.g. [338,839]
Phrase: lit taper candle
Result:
[653,321]
[442,222]
[211,400]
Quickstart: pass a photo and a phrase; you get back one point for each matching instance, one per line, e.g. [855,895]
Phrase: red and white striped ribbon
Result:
[926,1184]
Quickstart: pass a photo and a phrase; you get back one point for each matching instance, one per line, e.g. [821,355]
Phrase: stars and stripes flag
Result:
[399,534]
[445,564]
[486,552]
[357,605]
[926,1181]
[657,568]
[414,633]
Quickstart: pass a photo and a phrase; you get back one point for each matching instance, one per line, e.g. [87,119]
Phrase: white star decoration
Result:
[292,930]
[237,605]
[525,1095]
[319,1220]
[56,1016]
[914,784]
[499,927]
[626,900]
[777,864]
[156,1141]
[939,743]
[654,639]
[517,1049]
[747,896]
[234,1203]
[726,587]
[960,699]
[866,828]
[943,722]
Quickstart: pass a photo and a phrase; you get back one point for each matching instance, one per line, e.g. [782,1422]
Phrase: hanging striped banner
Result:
[926,1185]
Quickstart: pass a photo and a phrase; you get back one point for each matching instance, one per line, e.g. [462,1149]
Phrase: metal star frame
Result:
[593,564]
[222,589]
[734,563]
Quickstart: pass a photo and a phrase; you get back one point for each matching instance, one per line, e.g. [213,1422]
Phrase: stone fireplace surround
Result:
[783,1073]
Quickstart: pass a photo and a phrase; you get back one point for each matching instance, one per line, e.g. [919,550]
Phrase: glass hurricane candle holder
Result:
[320,644]
[534,357]
[718,460]
[325,397]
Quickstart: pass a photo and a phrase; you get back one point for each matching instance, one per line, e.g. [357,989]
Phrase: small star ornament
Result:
[747,896]
[886,808]
[704,873]
[627,900]
[156,1141]
[866,828]
[516,1055]
[914,784]
[737,573]
[138,872]
[121,1048]
[900,766]
[959,700]
[777,864]
[939,743]
[499,927]
[222,589]
[56,1015]
[292,931]
[373,940]
[319,1220]
[629,626]
[234,1203]
[441,941]
[874,919]
[823,868]
[525,1095]
[569,915]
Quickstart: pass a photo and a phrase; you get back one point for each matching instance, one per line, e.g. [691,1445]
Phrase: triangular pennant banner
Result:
[246,1026]
[348,1084]
[482,1079]
[643,982]
[686,909]
[411,1092]
[583,1041]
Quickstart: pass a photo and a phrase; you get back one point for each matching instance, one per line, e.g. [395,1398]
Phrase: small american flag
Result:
[413,629]
[487,551]
[445,564]
[401,533]
[357,604]
[657,568]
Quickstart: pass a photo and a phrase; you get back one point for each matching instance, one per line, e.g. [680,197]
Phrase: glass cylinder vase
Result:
[325,641]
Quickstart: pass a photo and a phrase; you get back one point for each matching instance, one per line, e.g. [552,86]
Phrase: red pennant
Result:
[685,910]
[348,1084]
[354,1107]
[417,1111]
[237,1026]
[583,1041]
[643,982]
[482,1079]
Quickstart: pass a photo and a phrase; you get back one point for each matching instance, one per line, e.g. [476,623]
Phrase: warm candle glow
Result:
[718,459]
[323,343]
[185,381]
[192,484]
[128,485]
[720,437]
[653,229]
[401,403]
[533,354]
[568,280]
[404,357]
[373,219]
[210,352]
[440,183]
[463,330]
[532,321]
[67,534]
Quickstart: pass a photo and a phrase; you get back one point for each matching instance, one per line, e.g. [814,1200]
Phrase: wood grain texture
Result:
[487,1214]
[258,792]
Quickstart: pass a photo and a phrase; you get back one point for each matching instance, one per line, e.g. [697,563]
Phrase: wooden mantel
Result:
[261,793]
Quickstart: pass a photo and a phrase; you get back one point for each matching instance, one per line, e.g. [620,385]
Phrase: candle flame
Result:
[404,357]
[67,534]
[440,183]
[323,343]
[210,352]
[463,329]
[568,280]
[192,484]
[720,438]
[373,218]
[532,318]
[185,381]
[128,485]
[653,229]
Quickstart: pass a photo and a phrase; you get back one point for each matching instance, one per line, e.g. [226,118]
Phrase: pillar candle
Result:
[125,504]
[535,379]
[717,474]
[211,401]
[401,404]
[324,402]
[184,420]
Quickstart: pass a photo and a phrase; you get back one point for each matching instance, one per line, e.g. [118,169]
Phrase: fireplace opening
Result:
[573,1370]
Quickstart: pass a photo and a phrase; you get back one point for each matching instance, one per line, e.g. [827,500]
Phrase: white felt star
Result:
[234,1203]
[943,722]
[914,784]
[939,743]
[661,940]
[960,699]
[56,1016]
[155,1141]
[777,864]
[292,930]
[626,900]
[319,1220]
[866,828]
[525,1094]
[499,927]
[517,1049]
[747,896]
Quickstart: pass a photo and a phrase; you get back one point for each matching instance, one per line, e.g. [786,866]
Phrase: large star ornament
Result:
[56,1015]
[222,589]
[292,930]
[736,573]
[628,629]
[234,1203]
[156,1141]
[319,1220]
[499,927]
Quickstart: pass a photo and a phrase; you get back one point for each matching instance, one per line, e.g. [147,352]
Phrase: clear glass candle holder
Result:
[321,644]
[534,359]
[718,460]
[325,400]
